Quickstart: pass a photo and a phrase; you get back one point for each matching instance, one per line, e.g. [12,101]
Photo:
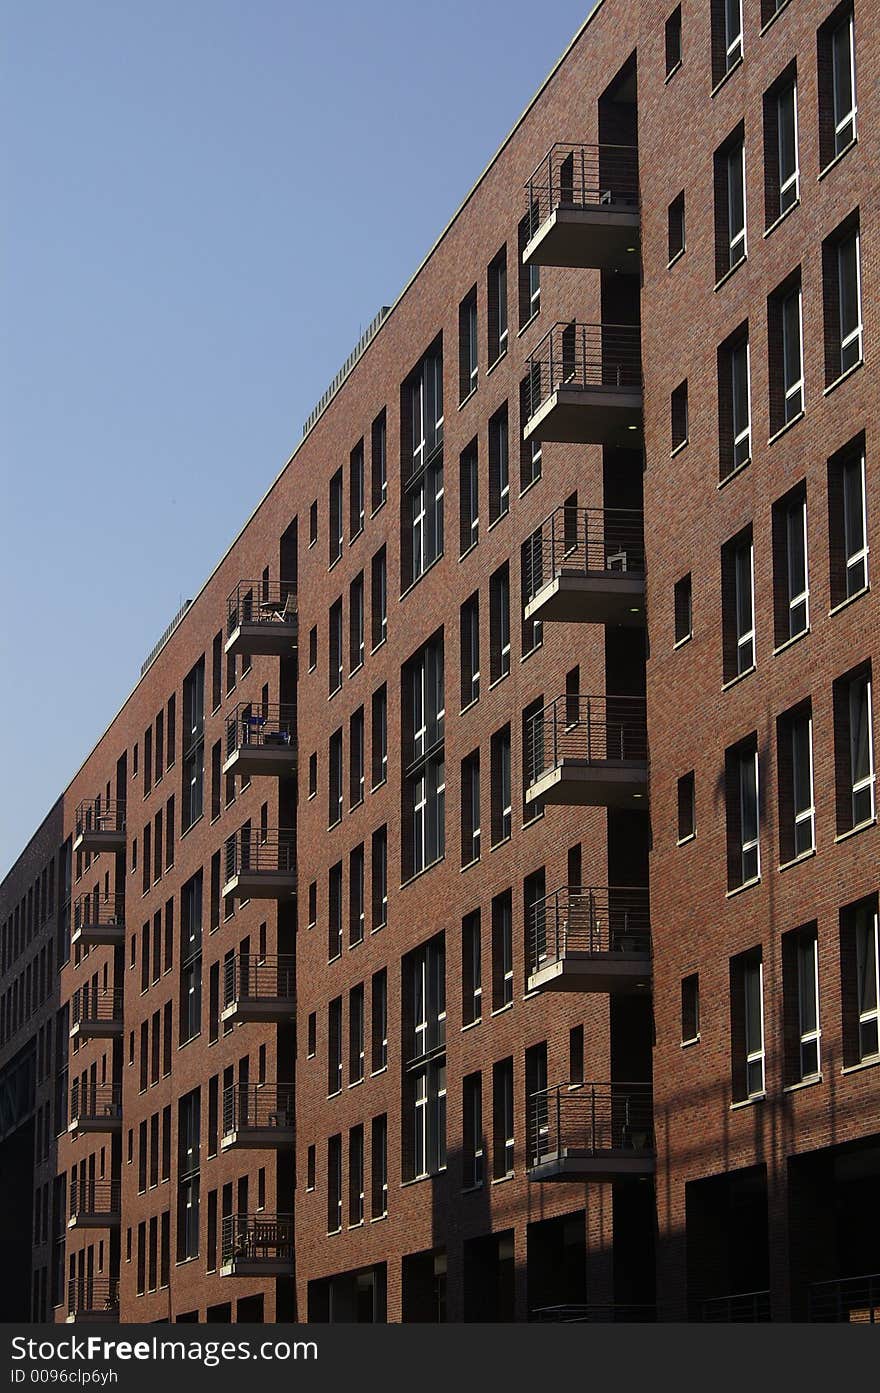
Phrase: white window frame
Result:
[791,182]
[867,929]
[755,1055]
[807,813]
[748,760]
[737,245]
[796,518]
[867,781]
[808,976]
[744,434]
[843,119]
[854,335]
[859,555]
[745,639]
[733,36]
[793,391]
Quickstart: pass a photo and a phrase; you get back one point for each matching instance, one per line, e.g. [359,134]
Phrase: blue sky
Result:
[204,203]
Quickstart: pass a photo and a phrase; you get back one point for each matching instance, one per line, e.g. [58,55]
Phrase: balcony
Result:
[93,1299]
[257,1116]
[261,619]
[591,1132]
[590,751]
[740,1308]
[589,939]
[99,826]
[260,867]
[846,1300]
[587,566]
[259,989]
[584,208]
[95,1204]
[98,920]
[261,741]
[595,1312]
[95,1107]
[585,386]
[256,1245]
[96,1014]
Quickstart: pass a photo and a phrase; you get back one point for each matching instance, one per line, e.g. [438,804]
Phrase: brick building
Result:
[472,912]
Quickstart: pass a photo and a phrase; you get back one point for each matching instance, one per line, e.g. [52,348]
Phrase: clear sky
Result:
[204,203]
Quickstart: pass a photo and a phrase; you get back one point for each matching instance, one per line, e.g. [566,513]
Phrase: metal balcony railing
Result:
[263,727]
[589,729]
[254,1236]
[99,815]
[846,1299]
[601,1312]
[96,1005]
[742,1307]
[589,919]
[590,1119]
[584,541]
[257,1105]
[272,852]
[584,356]
[98,911]
[95,1101]
[260,602]
[258,979]
[89,1294]
[95,1197]
[582,176]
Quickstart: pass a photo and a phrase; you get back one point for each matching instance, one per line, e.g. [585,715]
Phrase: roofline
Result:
[278,477]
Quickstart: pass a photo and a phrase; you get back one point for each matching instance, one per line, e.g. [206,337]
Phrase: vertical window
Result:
[727,37]
[500,784]
[378,462]
[841,271]
[334,1047]
[837,85]
[334,648]
[313,522]
[738,605]
[469,623]
[424,1015]
[422,498]
[848,523]
[356,490]
[679,415]
[379,863]
[499,623]
[356,1035]
[356,758]
[497,306]
[379,1009]
[379,598]
[313,647]
[675,227]
[334,906]
[673,41]
[468,368]
[800,990]
[794,737]
[424,763]
[470,809]
[356,915]
[532,736]
[780,148]
[355,1176]
[502,950]
[854,749]
[502,1119]
[690,1008]
[471,969]
[791,600]
[194,746]
[472,1130]
[468,499]
[785,342]
[334,779]
[741,779]
[747,1024]
[683,605]
[379,742]
[687,817]
[336,517]
[499,466]
[531,558]
[730,204]
[190,1000]
[529,274]
[734,403]
[356,623]
[530,460]
[864,922]
[379,1167]
[334,1184]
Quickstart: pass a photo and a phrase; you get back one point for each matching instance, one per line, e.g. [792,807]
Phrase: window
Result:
[311,1168]
[502,1118]
[191,958]
[188,1135]
[502,950]
[468,369]
[530,458]
[747,1025]
[841,273]
[673,41]
[500,785]
[379,598]
[356,758]
[379,1168]
[738,605]
[741,788]
[193,774]
[675,228]
[679,415]
[499,623]
[734,404]
[730,204]
[379,1009]
[497,306]
[683,605]
[472,1130]
[532,736]
[847,523]
[531,555]
[424,764]
[468,499]
[356,623]
[334,1047]
[313,774]
[334,648]
[469,624]
[334,919]
[334,1184]
[356,490]
[576,1054]
[379,725]
[727,37]
[313,647]
[687,817]
[356,1035]
[791,598]
[422,500]
[471,969]
[313,522]
[690,1008]
[780,147]
[336,517]
[470,809]
[355,1176]
[854,749]
[786,352]
[797,818]
[312,1045]
[379,861]
[424,1015]
[529,274]
[837,85]
[334,780]
[378,463]
[800,990]
[860,980]
[356,915]
[499,466]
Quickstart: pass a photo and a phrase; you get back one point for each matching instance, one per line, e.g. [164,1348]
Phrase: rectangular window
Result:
[848,522]
[781,175]
[690,1008]
[675,228]
[862,923]
[193,772]
[378,462]
[502,950]
[499,623]
[334,1047]
[334,779]
[730,204]
[727,37]
[356,758]
[356,913]
[734,404]
[313,522]
[468,499]
[786,353]
[334,906]
[497,306]
[379,858]
[683,605]
[356,490]
[673,41]
[502,1118]
[190,999]
[356,623]
[379,1009]
[471,969]
[791,597]
[379,738]
[530,458]
[355,1176]
[747,1025]
[531,554]
[499,466]
[797,817]
[422,497]
[379,1167]
[469,621]
[836,55]
[472,1130]
[334,1184]
[334,648]
[470,809]
[468,368]
[800,991]
[500,785]
[741,781]
[424,790]
[532,737]
[738,605]
[379,598]
[529,274]
[854,749]
[842,287]
[336,517]
[356,1035]
[687,816]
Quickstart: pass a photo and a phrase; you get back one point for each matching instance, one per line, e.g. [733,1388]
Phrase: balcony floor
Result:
[593,972]
[587,1166]
[261,885]
[605,237]
[277,1010]
[589,416]
[257,1139]
[99,935]
[88,1220]
[275,640]
[605,784]
[95,1030]
[256,1267]
[98,1315]
[95,842]
[252,761]
[81,1125]
[591,597]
